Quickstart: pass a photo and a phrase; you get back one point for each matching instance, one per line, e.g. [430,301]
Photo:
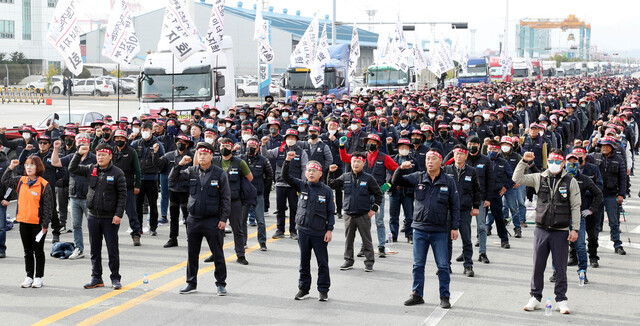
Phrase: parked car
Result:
[56,86]
[93,86]
[82,118]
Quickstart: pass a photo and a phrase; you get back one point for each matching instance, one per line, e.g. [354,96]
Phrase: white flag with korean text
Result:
[120,41]
[305,51]
[179,31]
[321,58]
[216,26]
[354,53]
[64,34]
[261,34]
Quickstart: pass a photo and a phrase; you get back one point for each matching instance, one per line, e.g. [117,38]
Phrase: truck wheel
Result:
[56,90]
[240,93]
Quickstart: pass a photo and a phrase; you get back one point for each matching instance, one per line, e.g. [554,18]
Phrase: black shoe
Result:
[468,270]
[518,233]
[302,294]
[460,258]
[361,252]
[95,283]
[209,259]
[339,216]
[171,243]
[346,266]
[253,223]
[116,285]
[136,241]
[488,231]
[222,291]
[368,267]
[620,251]
[552,279]
[3,255]
[56,238]
[293,235]
[381,252]
[153,233]
[483,258]
[444,303]
[242,261]
[163,220]
[594,262]
[413,300]
[573,261]
[278,235]
[323,296]
[586,280]
[263,247]
[477,244]
[410,239]
[505,245]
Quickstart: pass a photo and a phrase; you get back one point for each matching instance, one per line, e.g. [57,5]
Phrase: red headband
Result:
[580,150]
[357,158]
[104,150]
[314,166]
[460,150]
[434,153]
[204,150]
[82,139]
[554,156]
[493,147]
[253,142]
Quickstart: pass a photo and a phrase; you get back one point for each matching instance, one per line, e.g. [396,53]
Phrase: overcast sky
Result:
[614,23]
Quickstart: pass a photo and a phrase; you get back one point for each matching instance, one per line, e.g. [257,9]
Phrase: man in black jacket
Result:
[106,200]
[147,147]
[126,158]
[178,191]
[209,208]
[262,179]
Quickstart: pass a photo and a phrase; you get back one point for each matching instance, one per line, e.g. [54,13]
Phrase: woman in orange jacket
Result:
[35,208]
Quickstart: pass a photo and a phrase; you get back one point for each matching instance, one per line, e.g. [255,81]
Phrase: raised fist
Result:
[333,168]
[291,155]
[185,160]
[528,156]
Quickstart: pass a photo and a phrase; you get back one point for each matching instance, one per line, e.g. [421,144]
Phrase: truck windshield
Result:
[495,71]
[477,71]
[388,78]
[520,72]
[157,88]
[302,80]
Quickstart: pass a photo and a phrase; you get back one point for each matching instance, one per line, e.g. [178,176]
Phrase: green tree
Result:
[116,73]
[84,74]
[52,71]
[18,57]
[2,57]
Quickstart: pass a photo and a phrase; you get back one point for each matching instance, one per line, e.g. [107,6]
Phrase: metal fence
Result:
[21,95]
[13,73]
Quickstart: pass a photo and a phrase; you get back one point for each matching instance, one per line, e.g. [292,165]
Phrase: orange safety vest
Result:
[29,199]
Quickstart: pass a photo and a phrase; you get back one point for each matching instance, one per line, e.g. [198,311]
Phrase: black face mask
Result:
[444,134]
[181,146]
[396,113]
[69,142]
[259,120]
[225,152]
[231,115]
[252,151]
[313,136]
[196,117]
[120,143]
[416,141]
[273,131]
[372,147]
[344,120]
[473,149]
[580,160]
[106,135]
[383,125]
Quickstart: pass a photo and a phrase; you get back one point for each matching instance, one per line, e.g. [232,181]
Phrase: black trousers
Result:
[591,225]
[32,249]
[177,202]
[100,228]
[284,194]
[235,221]
[62,194]
[307,242]
[149,189]
[196,230]
[55,219]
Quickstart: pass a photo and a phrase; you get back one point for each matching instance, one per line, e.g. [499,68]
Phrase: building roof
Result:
[297,25]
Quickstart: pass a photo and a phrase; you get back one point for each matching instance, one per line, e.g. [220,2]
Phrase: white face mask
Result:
[209,125]
[242,117]
[379,112]
[432,115]
[404,101]
[146,134]
[285,114]
[353,106]
[183,127]
[246,137]
[306,116]
[222,128]
[555,168]
[486,116]
[403,124]
[137,130]
[354,127]
[456,127]
[301,129]
[332,132]
[209,140]
[291,142]
[270,119]
[634,105]
[403,152]
[26,135]
[505,148]
[466,127]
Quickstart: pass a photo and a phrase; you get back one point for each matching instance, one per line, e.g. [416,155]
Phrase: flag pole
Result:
[173,58]
[119,86]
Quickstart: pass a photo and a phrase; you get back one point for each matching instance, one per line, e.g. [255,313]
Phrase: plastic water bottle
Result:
[390,237]
[145,282]
[581,278]
[548,308]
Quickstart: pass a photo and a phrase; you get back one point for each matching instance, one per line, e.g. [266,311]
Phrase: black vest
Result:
[378,170]
[124,160]
[256,165]
[295,166]
[234,175]
[204,199]
[312,207]
[553,210]
[357,199]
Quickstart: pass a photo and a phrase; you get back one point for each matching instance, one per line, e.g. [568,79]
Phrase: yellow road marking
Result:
[98,318]
[68,312]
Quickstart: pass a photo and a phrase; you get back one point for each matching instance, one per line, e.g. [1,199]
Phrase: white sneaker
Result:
[27,282]
[533,304]
[563,307]
[77,253]
[37,282]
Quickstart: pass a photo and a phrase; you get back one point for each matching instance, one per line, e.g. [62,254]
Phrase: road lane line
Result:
[436,316]
[101,317]
[70,311]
